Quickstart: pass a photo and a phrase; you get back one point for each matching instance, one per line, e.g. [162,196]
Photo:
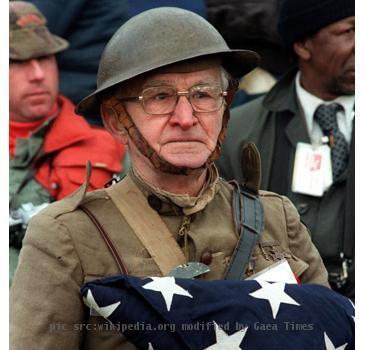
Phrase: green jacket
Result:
[62,250]
[275,124]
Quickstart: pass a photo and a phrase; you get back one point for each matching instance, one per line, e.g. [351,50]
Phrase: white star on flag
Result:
[104,311]
[274,293]
[329,344]
[167,287]
[353,305]
[225,341]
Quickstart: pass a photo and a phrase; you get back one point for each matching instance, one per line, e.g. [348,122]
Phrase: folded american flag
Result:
[171,313]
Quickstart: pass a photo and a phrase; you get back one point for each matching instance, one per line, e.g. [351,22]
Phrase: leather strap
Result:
[249,221]
[147,225]
[117,258]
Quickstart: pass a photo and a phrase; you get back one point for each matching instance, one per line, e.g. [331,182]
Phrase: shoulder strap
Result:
[249,221]
[147,225]
[109,243]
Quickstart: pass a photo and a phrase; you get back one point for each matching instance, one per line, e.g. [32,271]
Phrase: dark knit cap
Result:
[301,18]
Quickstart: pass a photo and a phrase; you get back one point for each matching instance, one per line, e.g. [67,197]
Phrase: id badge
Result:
[312,173]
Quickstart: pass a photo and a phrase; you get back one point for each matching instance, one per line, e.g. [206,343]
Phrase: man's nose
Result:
[183,114]
[36,71]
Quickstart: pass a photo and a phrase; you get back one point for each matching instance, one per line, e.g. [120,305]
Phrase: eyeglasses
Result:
[163,99]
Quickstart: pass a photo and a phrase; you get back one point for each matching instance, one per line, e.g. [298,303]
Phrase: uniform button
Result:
[154,202]
[54,186]
[206,258]
[302,208]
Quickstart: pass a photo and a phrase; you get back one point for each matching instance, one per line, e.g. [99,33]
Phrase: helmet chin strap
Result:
[142,145]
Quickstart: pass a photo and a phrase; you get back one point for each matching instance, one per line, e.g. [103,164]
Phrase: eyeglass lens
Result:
[163,99]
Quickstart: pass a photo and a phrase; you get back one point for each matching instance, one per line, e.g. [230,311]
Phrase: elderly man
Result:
[304,129]
[49,144]
[164,87]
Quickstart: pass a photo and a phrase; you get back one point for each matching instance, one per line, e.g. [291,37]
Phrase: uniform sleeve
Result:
[301,245]
[45,304]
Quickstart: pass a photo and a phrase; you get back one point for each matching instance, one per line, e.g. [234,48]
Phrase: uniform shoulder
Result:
[268,194]
[72,202]
[225,185]
[272,200]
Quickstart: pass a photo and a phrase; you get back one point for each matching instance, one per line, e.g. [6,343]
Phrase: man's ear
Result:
[112,124]
[303,49]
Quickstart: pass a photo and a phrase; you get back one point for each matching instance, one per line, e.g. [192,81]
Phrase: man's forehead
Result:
[196,71]
[209,75]
[346,21]
[206,76]
[340,24]
[192,65]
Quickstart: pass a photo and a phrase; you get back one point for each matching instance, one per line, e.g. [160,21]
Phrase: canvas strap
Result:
[147,225]
[249,221]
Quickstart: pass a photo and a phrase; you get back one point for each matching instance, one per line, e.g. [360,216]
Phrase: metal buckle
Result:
[340,278]
[189,270]
[115,179]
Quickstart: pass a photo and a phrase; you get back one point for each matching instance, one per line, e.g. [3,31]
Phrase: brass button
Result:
[206,258]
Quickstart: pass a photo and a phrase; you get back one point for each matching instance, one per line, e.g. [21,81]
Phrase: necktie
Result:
[327,120]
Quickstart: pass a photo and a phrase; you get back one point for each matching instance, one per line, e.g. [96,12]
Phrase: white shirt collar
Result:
[309,104]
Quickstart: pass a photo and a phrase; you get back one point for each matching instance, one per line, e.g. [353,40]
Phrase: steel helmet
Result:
[157,38]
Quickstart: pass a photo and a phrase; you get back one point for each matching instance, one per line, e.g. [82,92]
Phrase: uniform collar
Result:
[168,203]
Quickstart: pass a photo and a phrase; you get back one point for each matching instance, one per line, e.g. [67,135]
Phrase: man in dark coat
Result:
[290,123]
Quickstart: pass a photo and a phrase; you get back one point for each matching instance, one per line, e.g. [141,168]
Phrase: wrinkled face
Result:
[183,137]
[333,57]
[33,87]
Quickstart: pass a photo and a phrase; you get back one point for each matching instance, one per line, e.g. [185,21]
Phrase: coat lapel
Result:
[267,150]
[296,130]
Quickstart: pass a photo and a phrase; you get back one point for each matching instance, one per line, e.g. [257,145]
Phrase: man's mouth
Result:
[182,140]
[37,93]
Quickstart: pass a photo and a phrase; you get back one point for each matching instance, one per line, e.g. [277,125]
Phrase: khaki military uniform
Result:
[62,250]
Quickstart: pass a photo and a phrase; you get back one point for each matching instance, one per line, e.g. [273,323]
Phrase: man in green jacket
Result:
[49,144]
[304,129]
